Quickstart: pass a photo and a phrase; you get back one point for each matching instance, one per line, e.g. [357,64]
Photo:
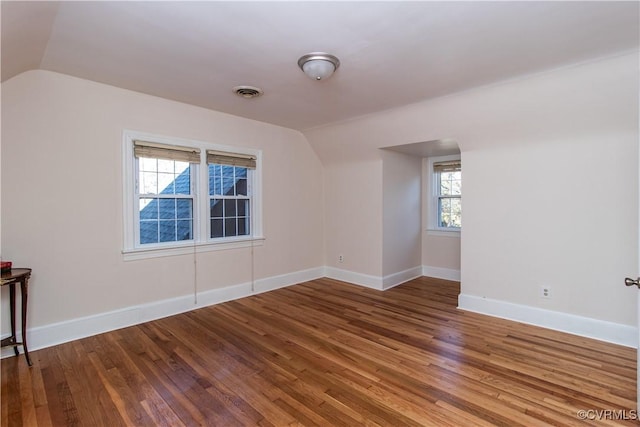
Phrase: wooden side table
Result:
[21,276]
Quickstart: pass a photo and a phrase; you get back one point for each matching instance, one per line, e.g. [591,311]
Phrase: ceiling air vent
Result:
[247,92]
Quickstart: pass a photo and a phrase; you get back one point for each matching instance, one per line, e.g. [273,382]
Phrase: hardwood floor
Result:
[325,353]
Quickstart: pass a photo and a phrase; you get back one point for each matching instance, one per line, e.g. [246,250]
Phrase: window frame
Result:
[201,242]
[435,196]
[193,188]
[223,197]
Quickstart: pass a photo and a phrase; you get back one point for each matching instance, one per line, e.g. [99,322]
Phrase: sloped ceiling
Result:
[392,53]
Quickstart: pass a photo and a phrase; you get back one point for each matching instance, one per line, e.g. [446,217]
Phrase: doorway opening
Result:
[441,205]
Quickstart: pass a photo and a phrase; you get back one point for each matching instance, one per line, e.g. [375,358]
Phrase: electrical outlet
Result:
[545,292]
[340,258]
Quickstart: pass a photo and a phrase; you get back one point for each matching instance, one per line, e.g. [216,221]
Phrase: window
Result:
[164,192]
[447,194]
[229,194]
[182,196]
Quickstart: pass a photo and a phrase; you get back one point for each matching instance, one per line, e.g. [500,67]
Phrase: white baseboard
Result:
[69,330]
[380,283]
[577,325]
[401,277]
[368,281]
[276,282]
[441,273]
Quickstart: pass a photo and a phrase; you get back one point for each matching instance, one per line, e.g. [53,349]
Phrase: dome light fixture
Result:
[318,65]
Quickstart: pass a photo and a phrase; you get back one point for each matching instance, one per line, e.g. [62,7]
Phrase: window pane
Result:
[165,183]
[241,172]
[243,207]
[173,177]
[450,183]
[170,183]
[158,220]
[148,165]
[450,212]
[443,209]
[183,180]
[229,217]
[241,187]
[217,228]
[148,183]
[184,230]
[228,180]
[456,213]
[450,176]
[230,208]
[243,226]
[230,227]
[184,208]
[167,231]
[148,208]
[167,208]
[216,208]
[215,180]
[445,186]
[456,187]
[166,166]
[148,232]
[181,166]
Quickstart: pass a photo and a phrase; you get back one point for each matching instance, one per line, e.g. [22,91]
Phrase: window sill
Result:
[443,232]
[157,252]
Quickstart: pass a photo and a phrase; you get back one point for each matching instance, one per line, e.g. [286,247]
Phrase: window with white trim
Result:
[164,192]
[446,194]
[229,194]
[181,196]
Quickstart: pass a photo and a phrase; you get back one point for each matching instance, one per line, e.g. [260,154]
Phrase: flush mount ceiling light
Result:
[248,92]
[318,65]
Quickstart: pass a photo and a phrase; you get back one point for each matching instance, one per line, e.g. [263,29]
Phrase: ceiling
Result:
[391,53]
[435,148]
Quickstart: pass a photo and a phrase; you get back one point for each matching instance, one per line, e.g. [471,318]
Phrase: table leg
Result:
[24,287]
[12,312]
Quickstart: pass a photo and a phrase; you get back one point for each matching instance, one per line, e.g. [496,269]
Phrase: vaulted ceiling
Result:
[391,53]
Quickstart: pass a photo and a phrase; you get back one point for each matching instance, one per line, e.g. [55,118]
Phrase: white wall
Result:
[62,198]
[352,190]
[550,186]
[577,206]
[401,212]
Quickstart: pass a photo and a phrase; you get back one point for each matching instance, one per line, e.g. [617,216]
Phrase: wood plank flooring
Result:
[330,354]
